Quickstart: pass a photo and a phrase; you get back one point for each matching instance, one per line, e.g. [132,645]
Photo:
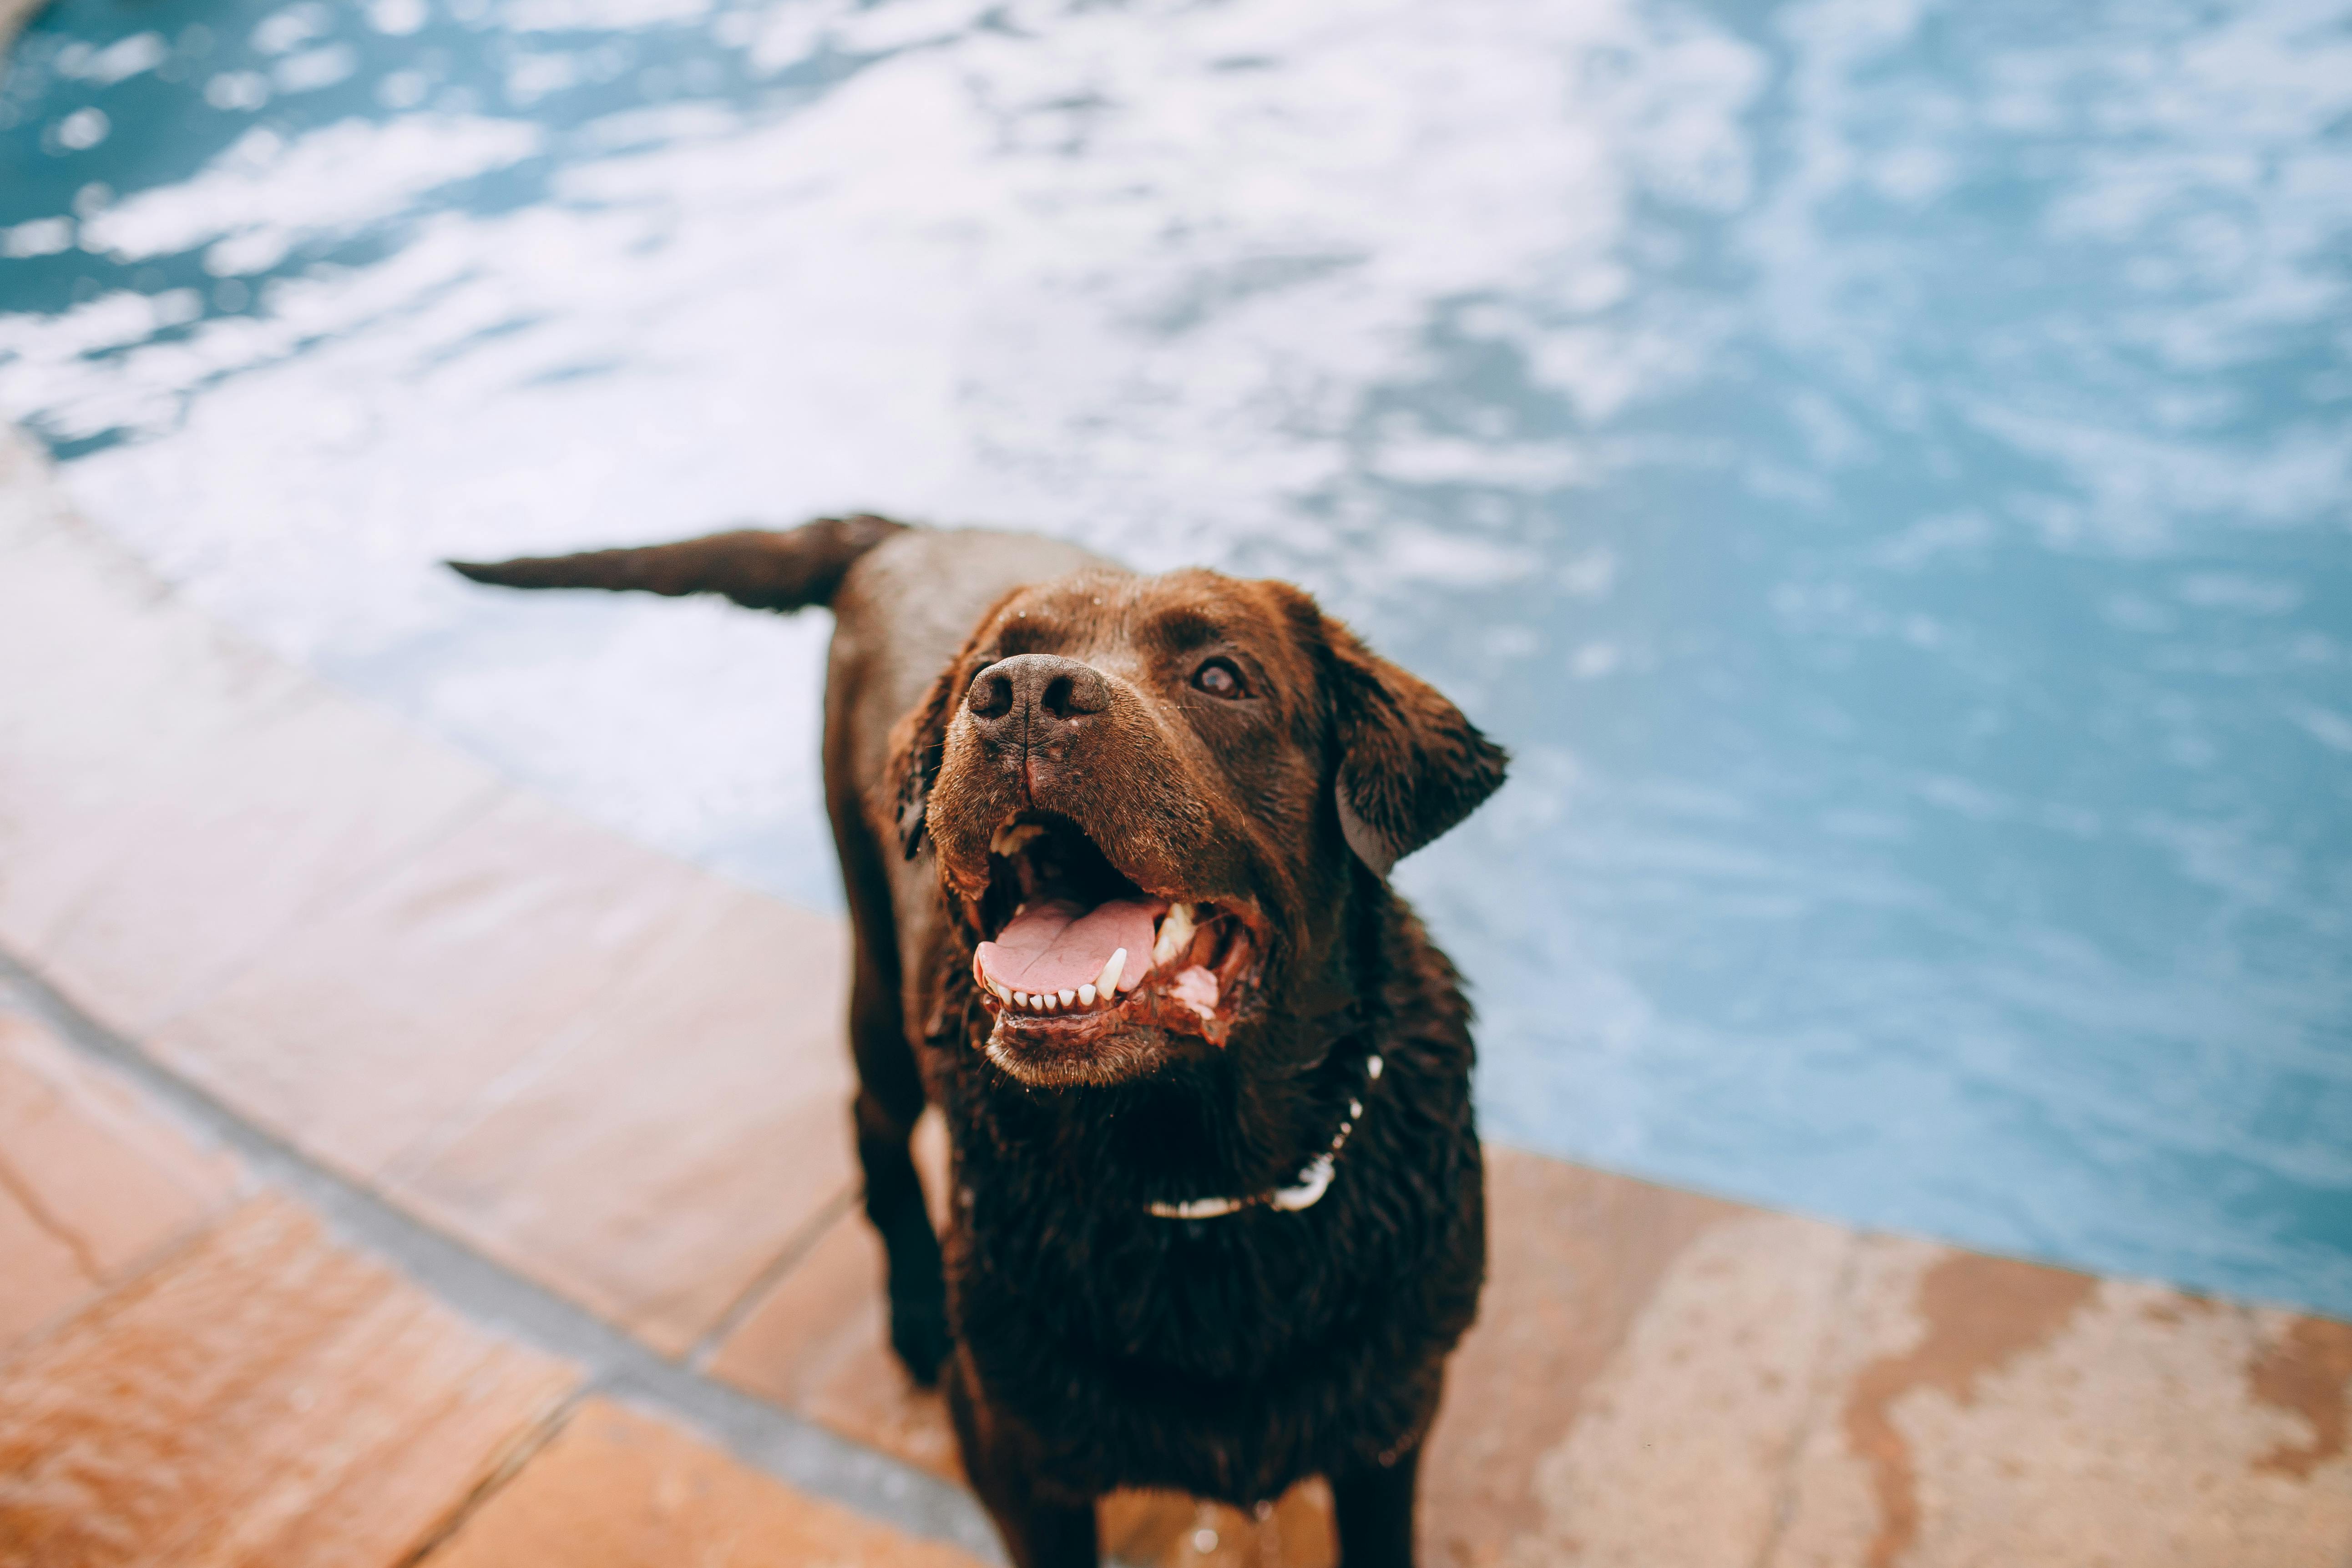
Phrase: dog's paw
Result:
[919,1332]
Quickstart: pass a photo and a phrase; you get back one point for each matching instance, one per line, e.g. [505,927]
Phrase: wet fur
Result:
[1086,1344]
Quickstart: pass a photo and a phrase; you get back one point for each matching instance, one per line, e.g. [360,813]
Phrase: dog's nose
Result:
[1018,696]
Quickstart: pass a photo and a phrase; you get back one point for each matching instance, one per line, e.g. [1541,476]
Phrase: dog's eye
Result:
[1219,677]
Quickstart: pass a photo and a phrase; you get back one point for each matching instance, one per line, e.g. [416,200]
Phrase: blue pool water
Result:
[1885,468]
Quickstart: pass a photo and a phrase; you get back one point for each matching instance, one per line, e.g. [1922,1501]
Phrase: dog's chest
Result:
[1109,1282]
[1225,1357]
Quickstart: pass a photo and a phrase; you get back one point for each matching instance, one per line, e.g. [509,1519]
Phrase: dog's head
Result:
[1154,803]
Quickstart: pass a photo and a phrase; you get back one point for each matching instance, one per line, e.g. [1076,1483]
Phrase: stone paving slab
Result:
[264,1398]
[705,1105]
[93,1184]
[1980,1411]
[219,1386]
[364,941]
[620,1489]
[170,799]
[452,973]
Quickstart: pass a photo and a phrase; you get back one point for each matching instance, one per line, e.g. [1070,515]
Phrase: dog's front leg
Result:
[889,1098]
[1041,1528]
[893,1201]
[1373,1511]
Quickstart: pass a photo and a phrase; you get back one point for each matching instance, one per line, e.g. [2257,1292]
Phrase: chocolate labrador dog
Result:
[1116,852]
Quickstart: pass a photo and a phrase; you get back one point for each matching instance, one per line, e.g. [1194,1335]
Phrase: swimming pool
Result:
[1884,469]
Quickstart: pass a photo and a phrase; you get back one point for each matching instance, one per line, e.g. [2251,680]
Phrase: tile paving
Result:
[92,1184]
[209,1376]
[583,1062]
[617,1488]
[649,1161]
[213,809]
[262,1397]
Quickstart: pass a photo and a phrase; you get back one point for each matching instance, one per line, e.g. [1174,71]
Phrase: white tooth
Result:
[1175,935]
[1107,983]
[1021,998]
[1086,995]
[1009,840]
[1003,995]
[1045,1001]
[1068,996]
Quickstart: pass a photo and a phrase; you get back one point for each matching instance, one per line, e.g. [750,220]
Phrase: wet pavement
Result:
[396,1168]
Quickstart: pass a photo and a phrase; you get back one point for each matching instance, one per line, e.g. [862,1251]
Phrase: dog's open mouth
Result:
[1078,951]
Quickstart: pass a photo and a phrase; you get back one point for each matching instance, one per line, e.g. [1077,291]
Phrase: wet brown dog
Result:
[1117,850]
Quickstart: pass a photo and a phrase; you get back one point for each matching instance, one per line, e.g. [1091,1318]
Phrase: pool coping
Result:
[614,1364]
[167,768]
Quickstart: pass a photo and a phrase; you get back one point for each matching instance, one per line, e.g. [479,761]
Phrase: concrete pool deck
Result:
[396,1169]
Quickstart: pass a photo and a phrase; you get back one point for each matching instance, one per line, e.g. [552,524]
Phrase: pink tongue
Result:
[1057,945]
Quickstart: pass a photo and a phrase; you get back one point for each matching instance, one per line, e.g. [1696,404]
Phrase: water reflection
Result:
[1883,466]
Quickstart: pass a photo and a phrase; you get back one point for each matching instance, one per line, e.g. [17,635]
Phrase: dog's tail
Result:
[764,568]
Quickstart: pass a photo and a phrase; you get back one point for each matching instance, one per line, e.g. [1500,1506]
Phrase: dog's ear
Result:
[918,741]
[1410,766]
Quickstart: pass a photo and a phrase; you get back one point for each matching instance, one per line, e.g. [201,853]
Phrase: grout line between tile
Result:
[16,1187]
[150,1262]
[761,1435]
[510,1464]
[797,1247]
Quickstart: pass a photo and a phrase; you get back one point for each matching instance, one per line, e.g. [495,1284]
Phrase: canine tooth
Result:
[1009,839]
[1086,995]
[1107,983]
[1175,935]
[1066,998]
